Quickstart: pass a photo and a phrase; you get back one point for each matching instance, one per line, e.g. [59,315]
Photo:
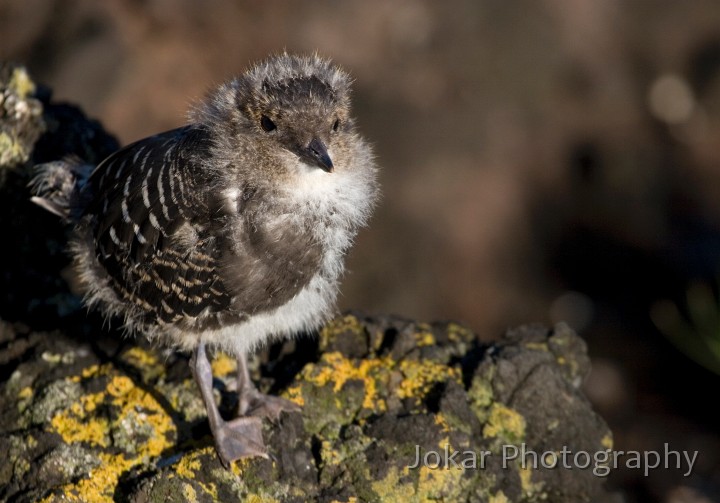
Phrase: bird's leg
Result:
[239,438]
[253,403]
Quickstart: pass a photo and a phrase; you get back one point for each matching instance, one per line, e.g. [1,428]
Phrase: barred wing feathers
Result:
[149,219]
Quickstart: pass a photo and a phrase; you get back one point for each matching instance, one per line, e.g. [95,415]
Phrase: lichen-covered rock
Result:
[375,392]
[21,122]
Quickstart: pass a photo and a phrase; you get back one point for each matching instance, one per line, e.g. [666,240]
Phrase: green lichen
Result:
[361,421]
[11,151]
[422,485]
[481,394]
[21,120]
[68,462]
[17,464]
[21,84]
[56,396]
[505,423]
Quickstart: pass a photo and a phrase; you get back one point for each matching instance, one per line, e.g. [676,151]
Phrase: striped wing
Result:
[150,218]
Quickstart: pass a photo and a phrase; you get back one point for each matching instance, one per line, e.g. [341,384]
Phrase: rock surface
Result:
[91,416]
[79,425]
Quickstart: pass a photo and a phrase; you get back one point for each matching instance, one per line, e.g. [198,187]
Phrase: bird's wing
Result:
[149,214]
[143,192]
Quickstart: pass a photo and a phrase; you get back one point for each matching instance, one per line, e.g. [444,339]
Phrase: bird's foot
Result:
[256,404]
[239,438]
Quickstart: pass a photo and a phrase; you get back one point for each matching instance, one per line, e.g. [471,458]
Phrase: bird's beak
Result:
[318,152]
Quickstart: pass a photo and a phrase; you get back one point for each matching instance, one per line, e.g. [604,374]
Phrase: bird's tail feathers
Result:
[56,185]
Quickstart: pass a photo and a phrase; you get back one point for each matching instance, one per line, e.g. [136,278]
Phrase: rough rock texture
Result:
[80,426]
[90,416]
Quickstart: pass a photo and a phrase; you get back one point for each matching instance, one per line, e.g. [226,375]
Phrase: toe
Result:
[271,407]
[240,438]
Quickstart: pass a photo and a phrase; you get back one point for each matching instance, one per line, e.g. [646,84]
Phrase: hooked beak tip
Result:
[318,152]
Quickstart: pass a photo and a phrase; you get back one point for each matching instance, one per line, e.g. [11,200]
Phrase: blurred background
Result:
[554,160]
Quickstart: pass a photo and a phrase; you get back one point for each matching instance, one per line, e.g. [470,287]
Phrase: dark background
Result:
[541,161]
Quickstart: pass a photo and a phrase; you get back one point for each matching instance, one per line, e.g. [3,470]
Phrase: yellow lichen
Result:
[525,478]
[540,346]
[419,376]
[239,466]
[140,356]
[223,365]
[607,441]
[390,488]
[424,339]
[25,393]
[432,484]
[190,463]
[329,454]
[187,466]
[211,490]
[504,422]
[21,82]
[99,485]
[53,358]
[261,498]
[81,423]
[189,493]
[499,497]
[529,488]
[294,394]
[139,405]
[457,333]
[335,368]
[441,421]
[145,361]
[92,371]
[119,386]
[76,425]
[416,377]
[347,323]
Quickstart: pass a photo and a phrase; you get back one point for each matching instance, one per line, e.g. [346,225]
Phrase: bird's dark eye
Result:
[336,125]
[267,124]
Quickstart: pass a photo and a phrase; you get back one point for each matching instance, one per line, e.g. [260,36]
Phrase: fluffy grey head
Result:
[291,108]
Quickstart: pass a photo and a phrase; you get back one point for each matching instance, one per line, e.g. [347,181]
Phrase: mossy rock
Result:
[131,427]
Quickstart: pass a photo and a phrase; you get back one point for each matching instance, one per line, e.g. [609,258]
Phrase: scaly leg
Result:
[255,404]
[239,438]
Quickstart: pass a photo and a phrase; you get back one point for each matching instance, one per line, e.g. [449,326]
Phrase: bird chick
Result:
[227,232]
